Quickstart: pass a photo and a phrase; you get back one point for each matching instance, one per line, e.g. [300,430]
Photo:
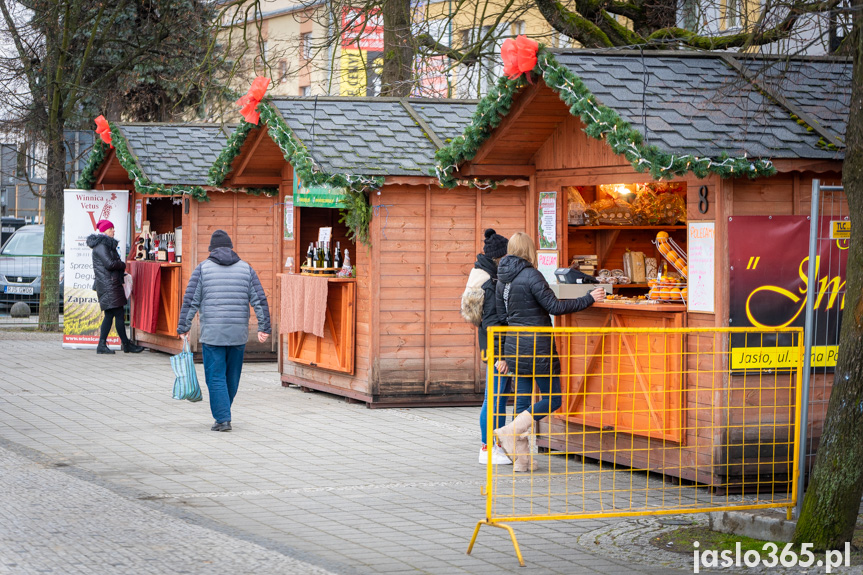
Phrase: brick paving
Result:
[104,473]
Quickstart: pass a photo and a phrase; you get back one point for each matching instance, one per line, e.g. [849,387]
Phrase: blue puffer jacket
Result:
[221,289]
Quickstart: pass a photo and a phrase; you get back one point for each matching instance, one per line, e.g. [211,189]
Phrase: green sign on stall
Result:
[317,196]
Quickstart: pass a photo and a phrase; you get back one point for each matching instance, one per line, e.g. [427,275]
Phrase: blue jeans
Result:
[548,402]
[501,386]
[223,365]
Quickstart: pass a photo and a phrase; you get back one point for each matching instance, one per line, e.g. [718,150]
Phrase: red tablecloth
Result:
[146,282]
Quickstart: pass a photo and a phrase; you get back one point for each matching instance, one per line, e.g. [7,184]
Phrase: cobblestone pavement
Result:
[102,472]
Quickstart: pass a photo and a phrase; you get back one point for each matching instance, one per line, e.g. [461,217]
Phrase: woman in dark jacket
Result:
[479,306]
[525,300]
[108,271]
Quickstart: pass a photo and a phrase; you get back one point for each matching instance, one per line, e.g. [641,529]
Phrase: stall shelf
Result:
[560,131]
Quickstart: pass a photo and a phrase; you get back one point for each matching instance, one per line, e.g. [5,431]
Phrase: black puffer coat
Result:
[524,299]
[108,270]
[490,317]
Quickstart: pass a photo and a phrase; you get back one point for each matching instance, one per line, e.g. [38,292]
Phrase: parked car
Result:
[8,226]
[21,267]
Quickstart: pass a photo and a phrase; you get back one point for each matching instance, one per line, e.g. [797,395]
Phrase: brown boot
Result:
[508,434]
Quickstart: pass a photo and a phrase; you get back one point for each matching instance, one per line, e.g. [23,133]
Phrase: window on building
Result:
[306,45]
[690,15]
[305,90]
[732,13]
[283,70]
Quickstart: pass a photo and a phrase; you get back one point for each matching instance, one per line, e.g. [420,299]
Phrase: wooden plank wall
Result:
[570,148]
[429,238]
[251,223]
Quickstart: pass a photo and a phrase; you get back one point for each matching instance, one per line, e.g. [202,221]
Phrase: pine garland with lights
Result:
[143,184]
[601,123]
[222,166]
[88,174]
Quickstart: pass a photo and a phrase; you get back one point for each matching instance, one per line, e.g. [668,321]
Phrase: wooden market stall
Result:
[611,162]
[166,168]
[392,334]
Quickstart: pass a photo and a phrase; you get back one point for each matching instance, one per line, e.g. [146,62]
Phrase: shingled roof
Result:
[175,154]
[374,136]
[707,104]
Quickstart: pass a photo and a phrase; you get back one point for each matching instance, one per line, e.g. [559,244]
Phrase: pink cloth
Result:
[303,305]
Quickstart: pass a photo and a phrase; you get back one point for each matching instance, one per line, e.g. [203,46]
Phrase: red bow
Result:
[104,130]
[253,97]
[519,56]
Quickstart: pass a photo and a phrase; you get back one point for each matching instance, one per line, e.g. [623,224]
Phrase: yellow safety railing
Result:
[651,422]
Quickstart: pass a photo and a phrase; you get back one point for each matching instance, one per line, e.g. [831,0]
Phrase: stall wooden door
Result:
[629,382]
[335,350]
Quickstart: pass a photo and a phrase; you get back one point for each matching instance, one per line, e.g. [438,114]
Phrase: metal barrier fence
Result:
[651,422]
[21,281]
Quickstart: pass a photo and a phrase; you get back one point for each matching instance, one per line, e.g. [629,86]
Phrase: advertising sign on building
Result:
[82,315]
[768,287]
[547,221]
[362,51]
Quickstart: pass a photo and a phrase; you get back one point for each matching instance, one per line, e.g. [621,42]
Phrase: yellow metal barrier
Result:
[651,422]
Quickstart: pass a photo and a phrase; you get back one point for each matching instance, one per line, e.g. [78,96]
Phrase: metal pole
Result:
[807,339]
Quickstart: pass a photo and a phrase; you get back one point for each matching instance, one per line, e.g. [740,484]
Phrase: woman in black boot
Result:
[108,270]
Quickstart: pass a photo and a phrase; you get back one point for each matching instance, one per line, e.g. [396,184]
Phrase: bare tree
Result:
[63,59]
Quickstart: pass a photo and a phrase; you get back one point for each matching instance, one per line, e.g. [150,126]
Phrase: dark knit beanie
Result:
[495,244]
[220,239]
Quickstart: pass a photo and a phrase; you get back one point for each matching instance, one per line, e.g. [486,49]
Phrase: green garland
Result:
[220,169]
[356,215]
[601,123]
[143,184]
[97,156]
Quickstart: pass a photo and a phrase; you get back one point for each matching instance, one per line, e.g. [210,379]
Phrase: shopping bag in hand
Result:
[186,383]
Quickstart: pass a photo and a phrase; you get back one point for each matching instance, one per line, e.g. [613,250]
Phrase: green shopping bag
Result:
[186,381]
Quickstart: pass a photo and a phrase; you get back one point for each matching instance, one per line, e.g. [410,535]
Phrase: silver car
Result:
[21,267]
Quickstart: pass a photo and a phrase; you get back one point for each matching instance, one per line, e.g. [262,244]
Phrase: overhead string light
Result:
[601,123]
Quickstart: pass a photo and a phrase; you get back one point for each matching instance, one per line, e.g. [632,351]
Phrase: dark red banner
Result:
[769,275]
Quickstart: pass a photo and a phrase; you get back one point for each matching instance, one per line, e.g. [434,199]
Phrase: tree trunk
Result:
[833,499]
[397,74]
[49,312]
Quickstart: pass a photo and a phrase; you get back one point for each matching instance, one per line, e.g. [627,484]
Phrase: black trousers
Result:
[116,315]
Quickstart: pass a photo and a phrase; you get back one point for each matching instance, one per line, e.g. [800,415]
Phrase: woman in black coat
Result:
[108,271]
[525,300]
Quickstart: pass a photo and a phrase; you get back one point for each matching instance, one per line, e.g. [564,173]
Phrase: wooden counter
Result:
[626,382]
[335,350]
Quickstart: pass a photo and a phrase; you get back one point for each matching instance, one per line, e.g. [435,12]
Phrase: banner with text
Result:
[769,259]
[317,196]
[82,315]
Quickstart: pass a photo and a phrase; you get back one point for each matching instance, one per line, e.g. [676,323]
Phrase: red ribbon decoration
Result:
[253,97]
[103,130]
[519,56]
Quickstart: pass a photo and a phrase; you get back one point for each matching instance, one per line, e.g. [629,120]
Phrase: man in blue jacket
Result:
[221,289]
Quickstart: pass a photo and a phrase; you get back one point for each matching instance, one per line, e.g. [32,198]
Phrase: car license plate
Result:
[19,290]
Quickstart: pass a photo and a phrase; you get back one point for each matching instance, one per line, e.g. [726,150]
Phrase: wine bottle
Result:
[328,258]
[310,255]
[171,253]
[320,255]
[151,254]
[337,256]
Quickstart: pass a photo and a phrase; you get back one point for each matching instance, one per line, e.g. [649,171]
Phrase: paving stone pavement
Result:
[103,472]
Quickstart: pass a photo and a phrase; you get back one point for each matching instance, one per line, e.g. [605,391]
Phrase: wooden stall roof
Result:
[392,137]
[703,104]
[166,154]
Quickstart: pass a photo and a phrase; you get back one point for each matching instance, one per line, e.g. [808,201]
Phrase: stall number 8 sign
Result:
[703,204]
